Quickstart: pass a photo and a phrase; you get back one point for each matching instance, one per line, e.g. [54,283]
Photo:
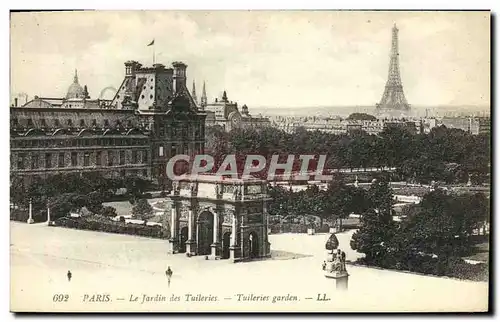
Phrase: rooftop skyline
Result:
[261,58]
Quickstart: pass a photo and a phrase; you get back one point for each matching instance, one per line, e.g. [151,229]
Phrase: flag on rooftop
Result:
[152,43]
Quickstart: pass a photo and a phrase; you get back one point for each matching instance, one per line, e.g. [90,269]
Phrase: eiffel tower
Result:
[394,98]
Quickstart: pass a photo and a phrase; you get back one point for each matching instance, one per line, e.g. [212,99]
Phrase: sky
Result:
[261,58]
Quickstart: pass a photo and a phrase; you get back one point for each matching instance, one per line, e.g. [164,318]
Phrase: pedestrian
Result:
[69,275]
[169,273]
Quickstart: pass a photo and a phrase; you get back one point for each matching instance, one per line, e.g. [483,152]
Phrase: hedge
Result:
[96,223]
[23,215]
[451,267]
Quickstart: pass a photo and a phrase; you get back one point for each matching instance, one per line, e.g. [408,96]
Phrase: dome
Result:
[75,90]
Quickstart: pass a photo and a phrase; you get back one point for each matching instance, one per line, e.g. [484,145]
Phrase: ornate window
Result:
[60,160]
[98,158]
[48,160]
[86,159]
[110,158]
[20,160]
[34,161]
[122,157]
[74,159]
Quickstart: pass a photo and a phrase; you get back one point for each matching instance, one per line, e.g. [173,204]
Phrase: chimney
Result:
[15,102]
[179,76]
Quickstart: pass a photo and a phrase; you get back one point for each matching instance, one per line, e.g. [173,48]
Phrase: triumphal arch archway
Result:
[218,217]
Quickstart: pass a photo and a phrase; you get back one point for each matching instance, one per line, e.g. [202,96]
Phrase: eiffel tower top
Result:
[393,99]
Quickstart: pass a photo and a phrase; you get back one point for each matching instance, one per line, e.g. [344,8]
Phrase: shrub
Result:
[98,223]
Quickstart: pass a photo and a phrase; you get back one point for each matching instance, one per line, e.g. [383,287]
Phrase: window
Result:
[43,123]
[98,158]
[34,161]
[69,122]
[30,123]
[86,159]
[160,151]
[145,156]
[145,173]
[60,160]
[106,123]
[94,122]
[48,160]
[74,159]
[110,158]
[57,123]
[151,96]
[20,161]
[134,156]
[173,150]
[122,157]
[82,123]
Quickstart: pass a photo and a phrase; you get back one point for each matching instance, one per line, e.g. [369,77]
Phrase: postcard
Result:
[250,161]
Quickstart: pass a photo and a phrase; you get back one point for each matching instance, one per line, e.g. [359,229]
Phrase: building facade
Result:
[151,118]
[225,113]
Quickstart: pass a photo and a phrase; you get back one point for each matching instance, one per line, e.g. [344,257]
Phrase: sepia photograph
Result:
[250,161]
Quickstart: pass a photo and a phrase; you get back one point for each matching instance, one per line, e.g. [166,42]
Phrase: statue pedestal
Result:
[191,247]
[215,251]
[341,279]
[172,246]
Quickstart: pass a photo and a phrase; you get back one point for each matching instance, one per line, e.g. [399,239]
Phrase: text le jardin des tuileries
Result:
[189,297]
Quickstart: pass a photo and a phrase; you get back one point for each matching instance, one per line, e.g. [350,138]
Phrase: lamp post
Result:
[30,218]
[48,214]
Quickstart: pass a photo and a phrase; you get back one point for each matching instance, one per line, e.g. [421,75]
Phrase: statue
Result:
[175,188]
[237,193]
[218,189]
[336,263]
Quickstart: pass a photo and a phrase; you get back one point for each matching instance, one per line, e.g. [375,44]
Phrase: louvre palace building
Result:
[151,118]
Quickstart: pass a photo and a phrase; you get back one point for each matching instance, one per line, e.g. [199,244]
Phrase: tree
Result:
[108,211]
[17,190]
[381,197]
[61,205]
[342,200]
[94,202]
[142,209]
[361,117]
[374,236]
[377,226]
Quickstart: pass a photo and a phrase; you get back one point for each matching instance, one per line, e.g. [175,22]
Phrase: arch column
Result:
[216,242]
[173,241]
[191,242]
[233,249]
